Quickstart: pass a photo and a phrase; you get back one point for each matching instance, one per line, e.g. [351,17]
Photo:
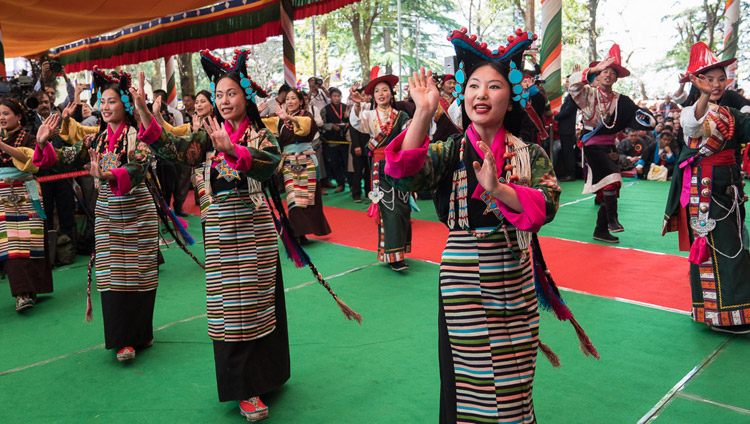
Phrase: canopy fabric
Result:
[227,24]
[34,26]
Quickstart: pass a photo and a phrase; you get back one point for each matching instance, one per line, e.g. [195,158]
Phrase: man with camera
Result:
[48,82]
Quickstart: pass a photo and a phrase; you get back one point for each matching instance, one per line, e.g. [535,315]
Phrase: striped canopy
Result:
[164,27]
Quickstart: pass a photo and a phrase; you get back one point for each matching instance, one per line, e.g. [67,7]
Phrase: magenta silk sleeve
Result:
[151,134]
[120,186]
[44,158]
[534,212]
[242,159]
[404,163]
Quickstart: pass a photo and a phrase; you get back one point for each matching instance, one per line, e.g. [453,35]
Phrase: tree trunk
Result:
[387,49]
[592,5]
[156,77]
[324,51]
[529,17]
[187,78]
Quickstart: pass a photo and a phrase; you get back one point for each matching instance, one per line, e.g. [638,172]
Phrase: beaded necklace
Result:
[386,128]
[20,136]
[111,159]
[604,106]
[288,122]
[516,167]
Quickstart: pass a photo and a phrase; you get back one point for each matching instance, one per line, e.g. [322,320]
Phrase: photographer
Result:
[335,118]
[318,95]
[50,71]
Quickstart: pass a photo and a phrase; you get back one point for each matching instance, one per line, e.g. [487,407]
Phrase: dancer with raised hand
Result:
[494,192]
[244,285]
[706,199]
[126,222]
[391,207]
[23,247]
[605,113]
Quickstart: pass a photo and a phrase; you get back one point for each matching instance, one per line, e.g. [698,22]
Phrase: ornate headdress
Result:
[702,59]
[614,52]
[123,80]
[471,52]
[215,68]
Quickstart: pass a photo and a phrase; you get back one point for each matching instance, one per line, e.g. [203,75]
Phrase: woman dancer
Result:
[383,123]
[126,222]
[494,192]
[23,250]
[296,129]
[706,200]
[244,286]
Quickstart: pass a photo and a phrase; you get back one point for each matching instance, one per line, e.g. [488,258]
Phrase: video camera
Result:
[19,87]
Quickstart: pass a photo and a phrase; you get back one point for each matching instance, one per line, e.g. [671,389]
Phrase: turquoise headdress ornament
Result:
[471,52]
[123,80]
[215,68]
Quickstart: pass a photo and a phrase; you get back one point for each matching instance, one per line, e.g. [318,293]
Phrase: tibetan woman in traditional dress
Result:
[23,243]
[126,221]
[383,123]
[493,191]
[706,200]
[244,287]
[296,129]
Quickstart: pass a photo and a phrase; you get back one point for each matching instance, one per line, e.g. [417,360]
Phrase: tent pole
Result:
[400,71]
[287,33]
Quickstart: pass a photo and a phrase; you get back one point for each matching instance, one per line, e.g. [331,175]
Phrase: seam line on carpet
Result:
[698,398]
[583,199]
[652,414]
[67,355]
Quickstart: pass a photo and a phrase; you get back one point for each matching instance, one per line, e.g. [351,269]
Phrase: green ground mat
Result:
[385,371]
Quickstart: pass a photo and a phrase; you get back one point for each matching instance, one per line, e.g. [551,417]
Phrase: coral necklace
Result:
[386,128]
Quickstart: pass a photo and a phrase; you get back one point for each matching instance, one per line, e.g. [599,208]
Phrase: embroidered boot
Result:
[610,203]
[601,232]
[253,409]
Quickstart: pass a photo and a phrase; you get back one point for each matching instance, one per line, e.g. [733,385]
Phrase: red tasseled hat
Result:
[614,51]
[702,59]
[375,80]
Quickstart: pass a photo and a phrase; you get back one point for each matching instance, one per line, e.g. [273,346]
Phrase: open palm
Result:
[423,91]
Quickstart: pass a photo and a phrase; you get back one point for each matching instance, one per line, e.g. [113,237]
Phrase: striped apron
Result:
[126,230]
[490,308]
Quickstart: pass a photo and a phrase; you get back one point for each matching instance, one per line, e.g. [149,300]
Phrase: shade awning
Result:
[227,24]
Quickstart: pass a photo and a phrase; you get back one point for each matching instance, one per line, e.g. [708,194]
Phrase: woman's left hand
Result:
[281,113]
[487,172]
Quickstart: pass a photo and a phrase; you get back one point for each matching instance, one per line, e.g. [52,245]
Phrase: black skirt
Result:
[603,161]
[255,367]
[128,318]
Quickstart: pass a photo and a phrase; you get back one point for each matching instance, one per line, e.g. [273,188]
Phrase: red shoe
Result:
[253,409]
[125,354]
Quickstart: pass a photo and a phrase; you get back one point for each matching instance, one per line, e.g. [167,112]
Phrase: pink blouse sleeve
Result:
[534,212]
[151,134]
[44,158]
[404,163]
[121,185]
[242,159]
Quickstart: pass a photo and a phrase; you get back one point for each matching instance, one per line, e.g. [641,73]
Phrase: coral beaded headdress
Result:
[215,68]
[123,80]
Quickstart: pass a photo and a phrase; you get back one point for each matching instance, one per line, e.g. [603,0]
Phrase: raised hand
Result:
[139,98]
[423,91]
[68,111]
[156,106]
[281,113]
[577,67]
[46,130]
[88,140]
[196,122]
[262,107]
[355,95]
[604,64]
[701,83]
[218,135]
[487,171]
[93,167]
